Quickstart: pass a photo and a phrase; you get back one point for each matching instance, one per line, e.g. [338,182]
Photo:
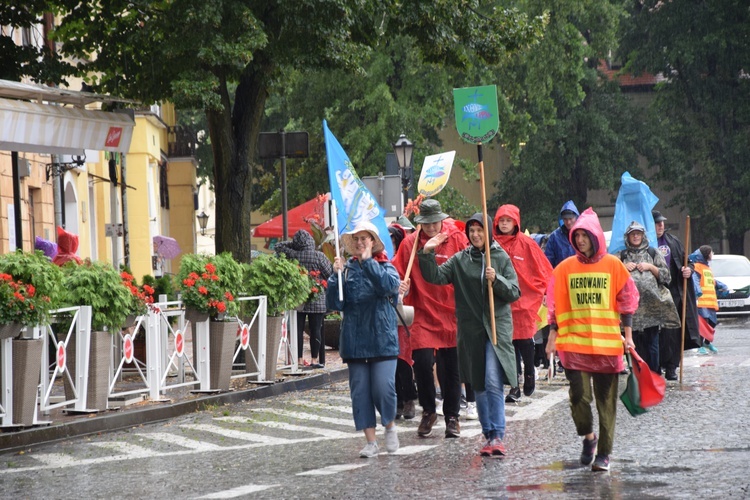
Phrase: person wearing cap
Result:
[655,307]
[368,342]
[406,391]
[558,246]
[433,332]
[590,297]
[533,270]
[482,363]
[669,338]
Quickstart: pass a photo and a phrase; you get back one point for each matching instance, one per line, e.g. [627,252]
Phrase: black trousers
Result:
[669,348]
[405,388]
[524,352]
[447,372]
[317,348]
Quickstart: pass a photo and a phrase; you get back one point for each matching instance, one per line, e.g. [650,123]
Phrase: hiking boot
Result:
[370,450]
[589,448]
[601,463]
[409,410]
[514,396]
[498,448]
[711,348]
[452,429]
[425,426]
[671,374]
[391,439]
[529,384]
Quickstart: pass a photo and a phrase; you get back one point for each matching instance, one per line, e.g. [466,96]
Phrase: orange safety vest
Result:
[708,287]
[586,306]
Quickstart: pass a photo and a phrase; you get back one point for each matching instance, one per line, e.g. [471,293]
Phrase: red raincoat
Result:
[67,246]
[434,306]
[533,270]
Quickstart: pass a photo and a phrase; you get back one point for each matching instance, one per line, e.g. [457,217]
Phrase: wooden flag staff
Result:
[487,231]
[684,294]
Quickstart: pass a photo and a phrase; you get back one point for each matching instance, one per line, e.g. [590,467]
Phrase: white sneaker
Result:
[439,407]
[370,450]
[391,439]
[471,411]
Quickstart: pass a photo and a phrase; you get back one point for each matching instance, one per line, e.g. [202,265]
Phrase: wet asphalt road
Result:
[696,444]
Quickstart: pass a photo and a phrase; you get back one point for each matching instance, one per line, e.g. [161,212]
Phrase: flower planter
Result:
[100,359]
[273,341]
[222,338]
[331,332]
[27,368]
[10,330]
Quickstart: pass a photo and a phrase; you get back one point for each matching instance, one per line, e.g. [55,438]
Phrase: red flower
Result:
[203,290]
[210,268]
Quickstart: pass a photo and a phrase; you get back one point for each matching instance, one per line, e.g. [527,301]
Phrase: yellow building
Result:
[57,152]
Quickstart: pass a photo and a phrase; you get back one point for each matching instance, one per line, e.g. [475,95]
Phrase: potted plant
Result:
[208,286]
[99,285]
[30,286]
[286,286]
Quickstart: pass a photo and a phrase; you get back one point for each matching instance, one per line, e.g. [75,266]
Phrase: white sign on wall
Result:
[12,227]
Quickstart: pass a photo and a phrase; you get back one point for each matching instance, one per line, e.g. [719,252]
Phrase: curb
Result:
[130,418]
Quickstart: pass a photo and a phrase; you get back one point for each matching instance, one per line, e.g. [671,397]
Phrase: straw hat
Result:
[367,226]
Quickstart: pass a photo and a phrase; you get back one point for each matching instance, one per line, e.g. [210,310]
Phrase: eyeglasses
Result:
[357,239]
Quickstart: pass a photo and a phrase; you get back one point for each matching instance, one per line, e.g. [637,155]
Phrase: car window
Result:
[730,267]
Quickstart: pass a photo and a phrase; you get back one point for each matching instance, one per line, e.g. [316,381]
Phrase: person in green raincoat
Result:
[483,365]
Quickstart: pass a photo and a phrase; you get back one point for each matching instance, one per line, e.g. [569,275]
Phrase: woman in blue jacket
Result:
[369,339]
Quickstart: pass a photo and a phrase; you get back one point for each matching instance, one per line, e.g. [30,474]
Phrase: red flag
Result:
[706,330]
[651,385]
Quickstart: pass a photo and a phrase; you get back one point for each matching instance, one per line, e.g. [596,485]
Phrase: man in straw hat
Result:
[433,333]
[368,341]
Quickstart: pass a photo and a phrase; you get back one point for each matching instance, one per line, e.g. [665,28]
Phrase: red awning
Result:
[296,218]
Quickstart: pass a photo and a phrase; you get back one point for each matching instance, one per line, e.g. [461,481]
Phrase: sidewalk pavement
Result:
[63,425]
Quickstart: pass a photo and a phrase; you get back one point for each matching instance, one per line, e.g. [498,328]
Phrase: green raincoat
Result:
[465,271]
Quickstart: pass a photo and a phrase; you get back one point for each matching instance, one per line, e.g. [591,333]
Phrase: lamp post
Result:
[202,222]
[404,150]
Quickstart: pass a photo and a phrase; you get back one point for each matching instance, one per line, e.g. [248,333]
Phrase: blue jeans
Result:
[372,385]
[491,401]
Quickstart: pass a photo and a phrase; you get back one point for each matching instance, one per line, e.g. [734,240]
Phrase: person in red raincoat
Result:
[406,390]
[67,246]
[533,270]
[433,333]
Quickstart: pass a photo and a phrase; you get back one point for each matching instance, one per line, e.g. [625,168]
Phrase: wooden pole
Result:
[684,294]
[487,231]
[413,252]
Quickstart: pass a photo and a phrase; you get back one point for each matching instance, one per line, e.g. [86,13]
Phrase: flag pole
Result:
[684,295]
[487,231]
[336,243]
[413,252]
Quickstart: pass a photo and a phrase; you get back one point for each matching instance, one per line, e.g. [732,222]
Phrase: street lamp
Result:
[404,150]
[202,221]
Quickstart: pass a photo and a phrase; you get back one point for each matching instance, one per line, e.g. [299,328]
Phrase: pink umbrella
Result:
[166,247]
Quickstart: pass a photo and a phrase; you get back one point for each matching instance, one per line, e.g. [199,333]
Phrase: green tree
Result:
[228,56]
[568,129]
[701,112]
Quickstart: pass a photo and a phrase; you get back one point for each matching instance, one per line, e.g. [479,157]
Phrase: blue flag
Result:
[354,202]
[634,203]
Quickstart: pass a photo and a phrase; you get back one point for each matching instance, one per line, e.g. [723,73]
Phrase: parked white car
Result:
[733,271]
